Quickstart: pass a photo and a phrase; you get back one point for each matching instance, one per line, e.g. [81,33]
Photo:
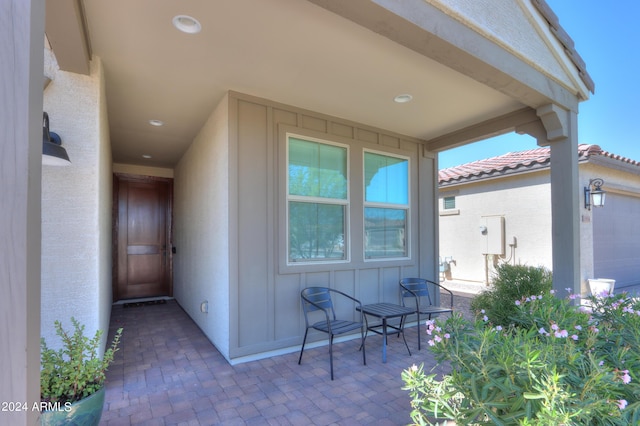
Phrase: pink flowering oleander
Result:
[622,403]
[626,378]
[517,303]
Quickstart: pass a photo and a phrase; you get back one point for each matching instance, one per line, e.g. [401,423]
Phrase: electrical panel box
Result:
[492,228]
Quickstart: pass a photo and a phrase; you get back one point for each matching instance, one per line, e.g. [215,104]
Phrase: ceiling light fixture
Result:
[147,156]
[156,123]
[403,99]
[187,24]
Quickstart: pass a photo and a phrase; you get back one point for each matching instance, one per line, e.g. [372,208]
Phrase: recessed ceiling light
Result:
[147,156]
[156,123]
[402,99]
[187,24]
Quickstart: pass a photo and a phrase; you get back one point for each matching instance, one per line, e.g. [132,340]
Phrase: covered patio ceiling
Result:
[309,54]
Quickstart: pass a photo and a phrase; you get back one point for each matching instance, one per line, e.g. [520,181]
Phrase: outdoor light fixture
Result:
[53,154]
[593,194]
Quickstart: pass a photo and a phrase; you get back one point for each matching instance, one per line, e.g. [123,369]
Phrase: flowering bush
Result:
[555,364]
[509,283]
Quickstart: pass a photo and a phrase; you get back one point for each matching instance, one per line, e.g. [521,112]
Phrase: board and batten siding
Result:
[265,311]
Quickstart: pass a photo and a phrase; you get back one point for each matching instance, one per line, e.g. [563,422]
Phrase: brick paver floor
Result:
[168,373]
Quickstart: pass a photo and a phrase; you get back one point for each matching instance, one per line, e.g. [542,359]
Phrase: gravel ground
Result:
[462,303]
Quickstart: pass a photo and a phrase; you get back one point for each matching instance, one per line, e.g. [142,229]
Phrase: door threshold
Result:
[144,301]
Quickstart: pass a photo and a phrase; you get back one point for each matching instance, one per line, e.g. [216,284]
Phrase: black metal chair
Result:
[419,292]
[319,299]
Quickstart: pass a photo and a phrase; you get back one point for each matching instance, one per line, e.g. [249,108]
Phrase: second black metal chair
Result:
[319,299]
[419,292]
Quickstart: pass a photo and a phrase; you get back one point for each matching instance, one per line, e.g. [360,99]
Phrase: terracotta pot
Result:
[86,412]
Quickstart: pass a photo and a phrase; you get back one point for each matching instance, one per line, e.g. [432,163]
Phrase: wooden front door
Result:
[142,237]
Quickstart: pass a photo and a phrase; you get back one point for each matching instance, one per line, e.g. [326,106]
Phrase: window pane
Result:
[449,203]
[385,231]
[386,179]
[316,232]
[317,170]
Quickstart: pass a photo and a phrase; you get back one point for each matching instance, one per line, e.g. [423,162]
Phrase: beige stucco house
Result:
[259,100]
[498,210]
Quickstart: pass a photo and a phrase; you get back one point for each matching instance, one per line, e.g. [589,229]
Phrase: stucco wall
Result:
[523,40]
[524,202]
[201,229]
[76,205]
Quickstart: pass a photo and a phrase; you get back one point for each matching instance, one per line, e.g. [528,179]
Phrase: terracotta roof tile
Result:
[515,162]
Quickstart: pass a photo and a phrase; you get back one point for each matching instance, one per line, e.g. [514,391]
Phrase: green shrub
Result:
[556,364]
[75,371]
[511,282]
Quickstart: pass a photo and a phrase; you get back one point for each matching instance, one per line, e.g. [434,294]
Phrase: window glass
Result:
[449,203]
[316,232]
[317,201]
[317,170]
[386,179]
[385,233]
[386,193]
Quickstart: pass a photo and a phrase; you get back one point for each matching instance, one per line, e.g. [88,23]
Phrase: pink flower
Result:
[485,318]
[601,363]
[560,334]
[622,403]
[578,327]
[626,378]
[554,327]
[431,342]
[438,339]
[542,331]
[447,335]
[517,303]
[574,337]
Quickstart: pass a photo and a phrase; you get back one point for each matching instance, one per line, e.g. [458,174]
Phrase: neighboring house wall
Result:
[230,197]
[76,205]
[525,204]
[614,228]
[609,235]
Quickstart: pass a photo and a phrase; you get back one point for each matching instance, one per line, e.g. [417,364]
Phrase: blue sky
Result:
[606,35]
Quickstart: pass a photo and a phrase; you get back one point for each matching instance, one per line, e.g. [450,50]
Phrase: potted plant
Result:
[72,377]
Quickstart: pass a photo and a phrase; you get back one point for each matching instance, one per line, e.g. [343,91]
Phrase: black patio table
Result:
[386,311]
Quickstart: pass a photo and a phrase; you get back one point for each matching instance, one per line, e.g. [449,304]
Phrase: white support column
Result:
[22,76]
[562,133]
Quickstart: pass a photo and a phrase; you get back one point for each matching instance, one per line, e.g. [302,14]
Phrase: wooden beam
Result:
[66,31]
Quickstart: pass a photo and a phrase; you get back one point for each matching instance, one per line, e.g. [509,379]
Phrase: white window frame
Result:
[406,207]
[319,200]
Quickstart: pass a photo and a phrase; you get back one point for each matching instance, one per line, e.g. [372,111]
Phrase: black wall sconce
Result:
[53,154]
[593,194]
